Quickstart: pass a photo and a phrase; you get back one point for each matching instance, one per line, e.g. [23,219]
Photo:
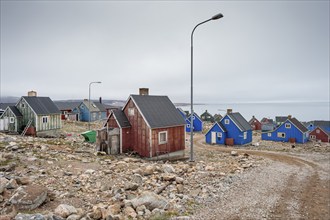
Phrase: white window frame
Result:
[164,141]
[219,135]
[313,137]
[269,134]
[130,111]
[44,119]
[317,131]
[245,135]
[11,120]
[287,125]
[280,134]
[23,105]
[227,121]
[188,125]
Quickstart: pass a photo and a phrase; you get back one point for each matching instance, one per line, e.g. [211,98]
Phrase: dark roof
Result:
[158,111]
[240,121]
[42,105]
[298,124]
[207,114]
[3,106]
[100,106]
[66,105]
[15,111]
[121,118]
[281,118]
[321,123]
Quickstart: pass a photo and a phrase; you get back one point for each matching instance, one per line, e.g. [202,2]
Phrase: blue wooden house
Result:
[197,123]
[233,129]
[95,110]
[216,135]
[290,131]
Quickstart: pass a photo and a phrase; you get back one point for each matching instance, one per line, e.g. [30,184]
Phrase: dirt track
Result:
[298,187]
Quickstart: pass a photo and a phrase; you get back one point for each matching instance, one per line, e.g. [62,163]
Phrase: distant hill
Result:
[9,99]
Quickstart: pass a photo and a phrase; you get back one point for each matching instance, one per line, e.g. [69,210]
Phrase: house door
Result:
[115,144]
[213,137]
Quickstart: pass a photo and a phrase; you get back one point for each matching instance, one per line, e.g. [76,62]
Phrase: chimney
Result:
[144,91]
[289,116]
[100,100]
[32,93]
[229,110]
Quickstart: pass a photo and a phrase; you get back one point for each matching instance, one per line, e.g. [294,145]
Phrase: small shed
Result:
[11,119]
[217,134]
[320,134]
[149,125]
[255,124]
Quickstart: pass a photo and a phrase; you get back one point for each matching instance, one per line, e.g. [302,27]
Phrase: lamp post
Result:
[89,104]
[215,17]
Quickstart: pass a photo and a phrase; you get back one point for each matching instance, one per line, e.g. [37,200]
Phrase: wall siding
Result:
[175,140]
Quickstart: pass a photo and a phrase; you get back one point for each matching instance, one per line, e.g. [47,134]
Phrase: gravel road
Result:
[290,186]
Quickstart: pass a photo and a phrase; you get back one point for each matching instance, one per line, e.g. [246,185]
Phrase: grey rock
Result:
[29,197]
[65,210]
[150,200]
[168,168]
[21,216]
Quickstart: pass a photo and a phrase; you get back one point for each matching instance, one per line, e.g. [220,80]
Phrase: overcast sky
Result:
[259,51]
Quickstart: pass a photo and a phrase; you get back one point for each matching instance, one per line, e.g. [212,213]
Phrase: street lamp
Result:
[89,104]
[215,17]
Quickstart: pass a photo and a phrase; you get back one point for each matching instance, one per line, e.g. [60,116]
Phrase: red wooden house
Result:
[255,124]
[148,125]
[320,134]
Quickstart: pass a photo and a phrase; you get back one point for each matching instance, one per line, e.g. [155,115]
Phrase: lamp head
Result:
[217,16]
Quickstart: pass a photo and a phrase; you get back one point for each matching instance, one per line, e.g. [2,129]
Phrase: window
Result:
[93,105]
[281,134]
[245,135]
[219,135]
[287,125]
[227,121]
[11,120]
[188,125]
[23,105]
[269,134]
[162,137]
[313,137]
[44,119]
[317,131]
[130,111]
[193,117]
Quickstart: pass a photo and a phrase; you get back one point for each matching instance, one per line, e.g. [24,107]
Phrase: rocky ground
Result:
[64,178]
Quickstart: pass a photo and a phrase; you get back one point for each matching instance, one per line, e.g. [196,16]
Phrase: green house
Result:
[31,111]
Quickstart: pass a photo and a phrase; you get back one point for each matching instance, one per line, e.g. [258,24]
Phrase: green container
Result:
[90,136]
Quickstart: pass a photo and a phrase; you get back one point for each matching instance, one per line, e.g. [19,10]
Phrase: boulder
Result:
[29,197]
[37,216]
[3,184]
[234,153]
[150,200]
[65,210]
[129,212]
[168,168]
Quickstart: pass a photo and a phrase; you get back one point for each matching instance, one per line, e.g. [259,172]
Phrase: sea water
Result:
[303,111]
